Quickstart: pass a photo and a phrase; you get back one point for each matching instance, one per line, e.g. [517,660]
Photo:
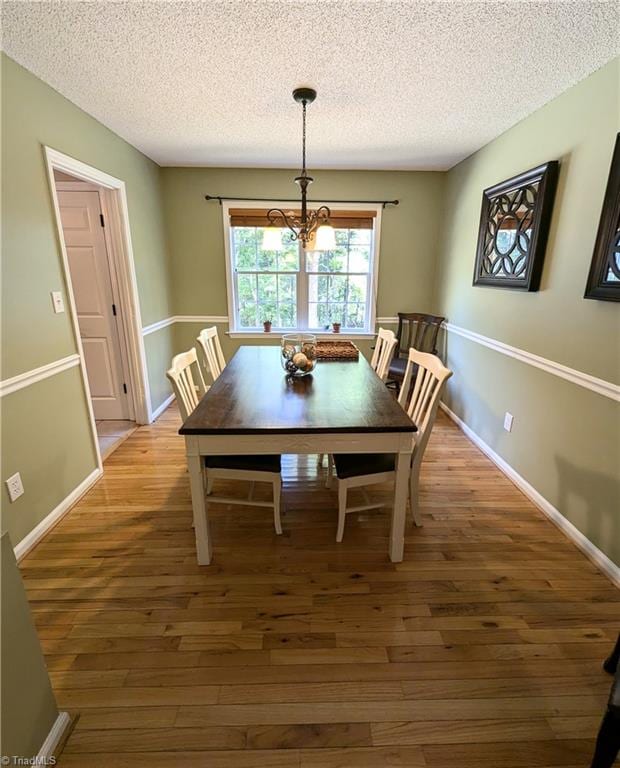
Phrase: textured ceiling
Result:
[401,84]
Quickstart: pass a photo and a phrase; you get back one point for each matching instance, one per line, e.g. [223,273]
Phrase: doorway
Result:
[92,221]
[98,308]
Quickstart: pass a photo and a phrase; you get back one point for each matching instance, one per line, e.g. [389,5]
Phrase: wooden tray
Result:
[337,350]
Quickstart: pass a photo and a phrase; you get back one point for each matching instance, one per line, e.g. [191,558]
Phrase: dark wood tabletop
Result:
[254,395]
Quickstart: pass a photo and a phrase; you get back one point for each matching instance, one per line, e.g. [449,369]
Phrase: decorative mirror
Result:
[514,225]
[604,278]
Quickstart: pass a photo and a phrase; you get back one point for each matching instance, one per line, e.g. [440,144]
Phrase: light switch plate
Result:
[57,301]
[14,486]
[508,419]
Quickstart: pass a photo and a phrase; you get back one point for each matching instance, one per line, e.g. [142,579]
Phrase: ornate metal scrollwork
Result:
[300,230]
[514,224]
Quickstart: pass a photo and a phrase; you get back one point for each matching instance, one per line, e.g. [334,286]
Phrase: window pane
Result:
[355,315]
[288,316]
[359,259]
[288,259]
[327,261]
[342,237]
[246,288]
[267,260]
[244,247]
[336,313]
[337,288]
[268,310]
[266,288]
[247,316]
[318,315]
[287,287]
[357,288]
[360,236]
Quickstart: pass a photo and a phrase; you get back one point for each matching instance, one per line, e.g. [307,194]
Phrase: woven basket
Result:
[337,350]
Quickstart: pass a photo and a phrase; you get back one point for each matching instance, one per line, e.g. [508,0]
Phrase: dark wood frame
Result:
[547,176]
[606,236]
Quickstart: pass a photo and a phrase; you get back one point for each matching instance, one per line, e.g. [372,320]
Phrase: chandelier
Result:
[312,227]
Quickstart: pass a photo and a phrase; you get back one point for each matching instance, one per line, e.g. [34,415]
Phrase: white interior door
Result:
[82,224]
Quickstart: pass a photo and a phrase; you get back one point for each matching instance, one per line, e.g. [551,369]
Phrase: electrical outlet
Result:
[57,301]
[14,486]
[508,419]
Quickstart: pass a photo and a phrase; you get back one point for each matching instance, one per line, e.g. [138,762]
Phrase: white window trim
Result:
[366,333]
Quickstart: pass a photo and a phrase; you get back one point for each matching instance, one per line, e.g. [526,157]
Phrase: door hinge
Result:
[114,309]
[102,220]
[125,388]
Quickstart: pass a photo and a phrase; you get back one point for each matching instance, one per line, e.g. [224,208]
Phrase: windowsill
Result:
[344,335]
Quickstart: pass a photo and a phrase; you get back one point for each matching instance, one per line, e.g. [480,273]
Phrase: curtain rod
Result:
[220,198]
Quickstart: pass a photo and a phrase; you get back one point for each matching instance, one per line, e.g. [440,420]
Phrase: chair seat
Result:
[397,369]
[266,463]
[357,464]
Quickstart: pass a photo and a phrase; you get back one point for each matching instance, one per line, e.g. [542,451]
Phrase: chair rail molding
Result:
[594,384]
[183,319]
[22,380]
[590,550]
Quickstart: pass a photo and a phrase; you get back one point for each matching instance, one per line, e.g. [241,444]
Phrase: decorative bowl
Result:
[298,353]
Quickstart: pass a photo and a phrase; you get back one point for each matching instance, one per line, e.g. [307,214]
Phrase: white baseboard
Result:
[593,553]
[37,533]
[49,746]
[161,408]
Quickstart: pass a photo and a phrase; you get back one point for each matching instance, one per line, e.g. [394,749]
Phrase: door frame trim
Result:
[113,196]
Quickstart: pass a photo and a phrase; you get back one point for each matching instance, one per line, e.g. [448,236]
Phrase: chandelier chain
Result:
[303,141]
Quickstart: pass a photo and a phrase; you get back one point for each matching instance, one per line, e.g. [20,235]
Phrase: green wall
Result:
[28,705]
[409,231]
[45,428]
[565,439]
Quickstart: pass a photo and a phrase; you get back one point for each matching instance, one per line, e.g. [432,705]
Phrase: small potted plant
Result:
[267,326]
[336,327]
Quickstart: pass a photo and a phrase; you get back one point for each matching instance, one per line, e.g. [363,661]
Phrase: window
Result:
[298,289]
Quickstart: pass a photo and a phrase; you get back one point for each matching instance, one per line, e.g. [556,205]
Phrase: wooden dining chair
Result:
[380,362]
[417,330]
[209,342]
[420,402]
[260,468]
[383,352]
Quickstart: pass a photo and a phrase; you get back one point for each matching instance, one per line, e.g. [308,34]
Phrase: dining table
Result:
[254,407]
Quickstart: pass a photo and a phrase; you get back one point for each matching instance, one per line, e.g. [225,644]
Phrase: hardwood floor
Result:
[482,649]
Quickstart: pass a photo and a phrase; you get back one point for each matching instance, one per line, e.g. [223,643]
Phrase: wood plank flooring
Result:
[482,649]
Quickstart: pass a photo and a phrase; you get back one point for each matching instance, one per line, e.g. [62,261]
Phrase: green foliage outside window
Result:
[266,286]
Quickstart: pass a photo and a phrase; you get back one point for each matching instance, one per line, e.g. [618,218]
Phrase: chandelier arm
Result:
[323,212]
[272,215]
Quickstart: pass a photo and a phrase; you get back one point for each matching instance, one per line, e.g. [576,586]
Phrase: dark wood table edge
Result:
[301,431]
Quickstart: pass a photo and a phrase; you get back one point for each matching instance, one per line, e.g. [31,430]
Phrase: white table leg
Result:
[399,510]
[201,521]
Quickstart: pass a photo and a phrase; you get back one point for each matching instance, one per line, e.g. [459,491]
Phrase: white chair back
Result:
[421,401]
[210,344]
[383,352]
[188,391]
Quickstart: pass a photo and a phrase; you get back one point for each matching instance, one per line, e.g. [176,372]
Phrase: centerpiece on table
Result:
[298,353]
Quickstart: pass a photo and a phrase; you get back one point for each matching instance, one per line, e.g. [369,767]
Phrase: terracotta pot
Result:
[267,326]
[336,327]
